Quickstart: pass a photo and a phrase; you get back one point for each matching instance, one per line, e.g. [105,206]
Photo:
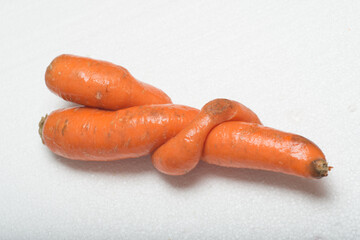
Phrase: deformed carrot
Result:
[100,135]
[99,84]
[224,132]
[181,154]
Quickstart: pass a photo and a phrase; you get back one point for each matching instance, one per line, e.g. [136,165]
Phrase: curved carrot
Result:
[248,145]
[92,134]
[224,132]
[181,154]
[99,84]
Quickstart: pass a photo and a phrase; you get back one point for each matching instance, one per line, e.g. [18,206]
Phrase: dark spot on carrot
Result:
[64,127]
[218,106]
[299,139]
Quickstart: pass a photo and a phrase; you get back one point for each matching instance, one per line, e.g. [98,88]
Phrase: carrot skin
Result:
[248,145]
[181,153]
[99,84]
[98,135]
[224,132]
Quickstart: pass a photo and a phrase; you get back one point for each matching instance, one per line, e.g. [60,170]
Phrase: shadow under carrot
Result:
[201,173]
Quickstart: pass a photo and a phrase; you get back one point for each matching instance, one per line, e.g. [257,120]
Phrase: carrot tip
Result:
[320,168]
[41,126]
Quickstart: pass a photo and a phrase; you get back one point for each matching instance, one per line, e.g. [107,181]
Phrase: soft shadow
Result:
[123,167]
[202,172]
[316,188]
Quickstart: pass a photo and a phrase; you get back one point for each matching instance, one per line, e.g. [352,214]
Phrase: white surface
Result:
[295,63]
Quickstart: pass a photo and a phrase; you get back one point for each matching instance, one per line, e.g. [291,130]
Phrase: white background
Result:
[295,63]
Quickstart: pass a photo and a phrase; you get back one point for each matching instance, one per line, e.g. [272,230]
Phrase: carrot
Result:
[98,135]
[248,145]
[99,84]
[181,154]
[224,132]
[93,134]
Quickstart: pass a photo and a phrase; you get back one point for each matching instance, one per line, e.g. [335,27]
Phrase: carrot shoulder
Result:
[99,84]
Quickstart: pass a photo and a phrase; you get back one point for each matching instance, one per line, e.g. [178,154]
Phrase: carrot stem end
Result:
[41,126]
[320,168]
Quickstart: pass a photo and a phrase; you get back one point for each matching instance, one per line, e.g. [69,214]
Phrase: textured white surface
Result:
[295,63]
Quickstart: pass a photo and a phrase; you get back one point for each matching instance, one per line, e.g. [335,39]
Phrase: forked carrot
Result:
[224,132]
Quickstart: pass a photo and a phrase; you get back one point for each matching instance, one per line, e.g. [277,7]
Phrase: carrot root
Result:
[320,168]
[41,126]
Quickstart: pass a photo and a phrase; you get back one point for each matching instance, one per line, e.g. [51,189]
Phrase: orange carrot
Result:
[181,154]
[224,132]
[92,134]
[99,84]
[248,145]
